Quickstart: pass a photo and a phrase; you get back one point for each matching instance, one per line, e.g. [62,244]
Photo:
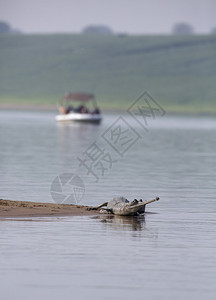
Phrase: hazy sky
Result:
[131,16]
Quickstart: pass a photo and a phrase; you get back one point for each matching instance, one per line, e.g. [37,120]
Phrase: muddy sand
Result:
[10,209]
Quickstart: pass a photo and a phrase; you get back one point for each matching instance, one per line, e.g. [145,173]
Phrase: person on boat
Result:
[69,109]
[62,110]
[96,111]
[84,110]
[79,108]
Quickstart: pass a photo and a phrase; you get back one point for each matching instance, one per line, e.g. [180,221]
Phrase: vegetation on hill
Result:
[178,71]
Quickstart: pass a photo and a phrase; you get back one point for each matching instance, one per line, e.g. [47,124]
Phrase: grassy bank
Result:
[179,72]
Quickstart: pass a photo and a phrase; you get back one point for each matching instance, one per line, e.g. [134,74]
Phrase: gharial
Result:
[122,207]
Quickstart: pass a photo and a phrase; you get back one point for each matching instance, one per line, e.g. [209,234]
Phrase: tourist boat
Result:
[80,113]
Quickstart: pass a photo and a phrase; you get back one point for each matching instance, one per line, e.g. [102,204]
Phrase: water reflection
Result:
[76,134]
[71,132]
[73,139]
[123,222]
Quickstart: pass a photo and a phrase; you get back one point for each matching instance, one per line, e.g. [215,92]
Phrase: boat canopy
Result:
[84,97]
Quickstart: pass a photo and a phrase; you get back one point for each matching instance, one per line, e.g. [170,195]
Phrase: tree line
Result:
[181,28]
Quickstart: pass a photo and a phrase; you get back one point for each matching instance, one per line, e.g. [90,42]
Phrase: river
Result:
[167,254]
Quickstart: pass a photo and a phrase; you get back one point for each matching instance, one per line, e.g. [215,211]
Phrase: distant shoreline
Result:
[52,108]
[44,107]
[13,209]
[25,106]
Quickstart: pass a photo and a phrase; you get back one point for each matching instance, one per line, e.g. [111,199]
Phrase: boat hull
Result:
[76,117]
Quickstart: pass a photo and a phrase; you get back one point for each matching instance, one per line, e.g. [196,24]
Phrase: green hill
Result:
[179,71]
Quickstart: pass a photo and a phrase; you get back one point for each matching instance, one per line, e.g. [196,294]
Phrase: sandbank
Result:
[10,209]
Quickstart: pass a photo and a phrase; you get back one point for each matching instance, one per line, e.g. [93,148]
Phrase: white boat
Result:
[82,113]
[93,118]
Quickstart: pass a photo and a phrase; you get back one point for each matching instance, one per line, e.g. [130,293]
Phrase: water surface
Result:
[168,254]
